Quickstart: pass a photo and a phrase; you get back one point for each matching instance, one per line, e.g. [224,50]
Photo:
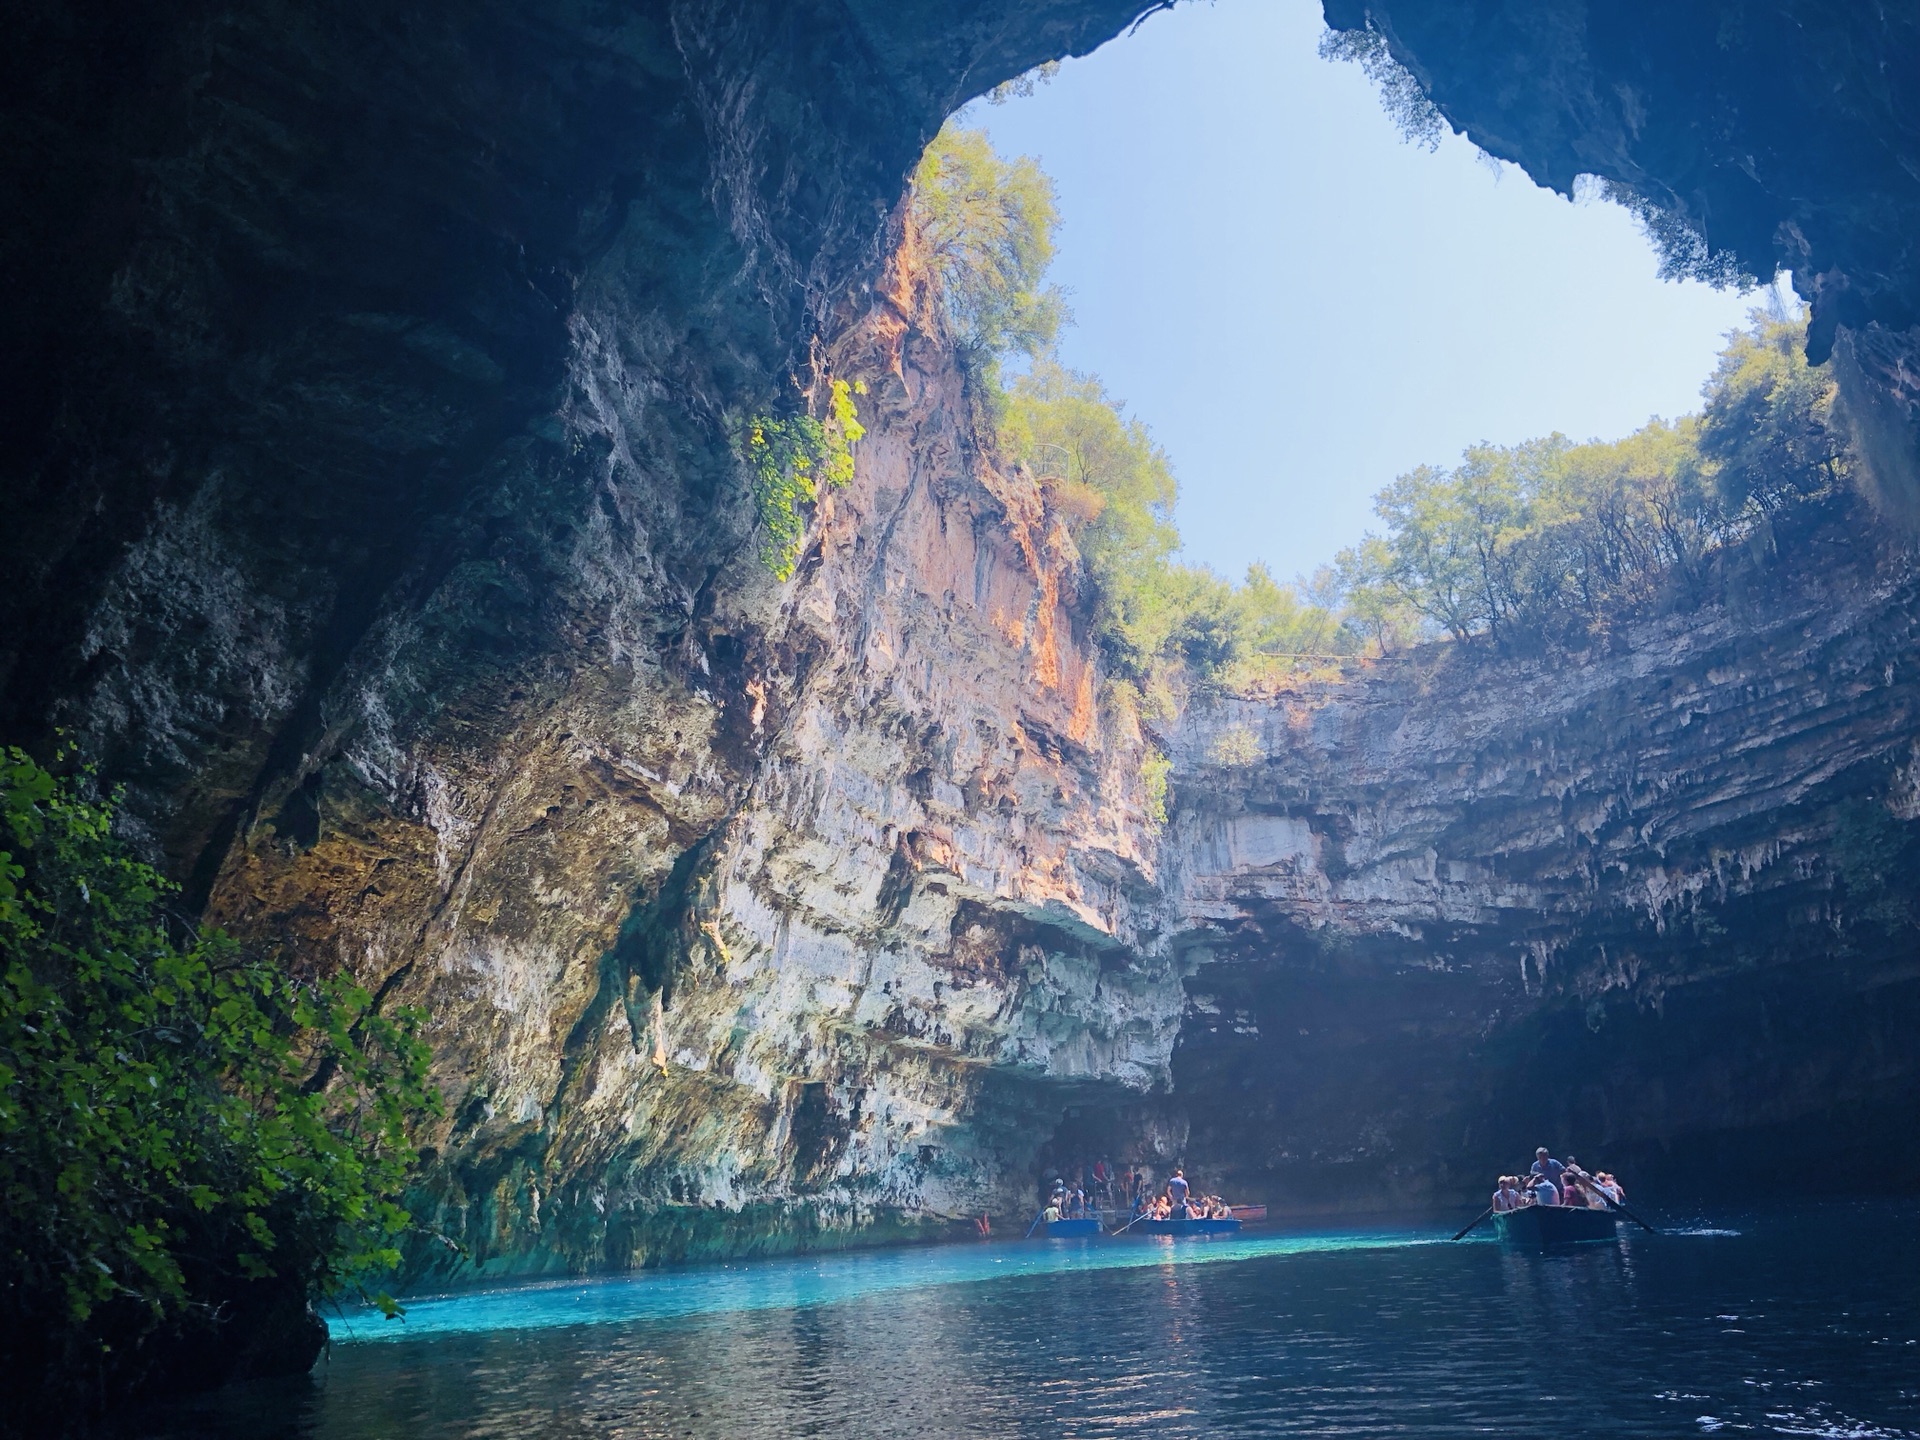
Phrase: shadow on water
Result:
[1793,1322]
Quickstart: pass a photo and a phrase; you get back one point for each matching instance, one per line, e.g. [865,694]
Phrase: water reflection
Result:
[1802,1324]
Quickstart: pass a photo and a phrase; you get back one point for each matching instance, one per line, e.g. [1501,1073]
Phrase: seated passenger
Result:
[1507,1197]
[1612,1187]
[1051,1213]
[1545,1192]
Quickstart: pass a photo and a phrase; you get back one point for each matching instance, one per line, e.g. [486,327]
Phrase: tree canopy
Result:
[1549,541]
[989,225]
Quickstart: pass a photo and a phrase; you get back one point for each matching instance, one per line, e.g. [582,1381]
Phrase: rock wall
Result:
[797,907]
[1652,902]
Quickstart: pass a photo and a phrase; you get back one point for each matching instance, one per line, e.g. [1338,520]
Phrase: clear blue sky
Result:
[1302,306]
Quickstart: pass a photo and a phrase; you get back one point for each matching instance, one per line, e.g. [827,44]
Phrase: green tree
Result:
[1768,428]
[988,227]
[192,1143]
[1551,542]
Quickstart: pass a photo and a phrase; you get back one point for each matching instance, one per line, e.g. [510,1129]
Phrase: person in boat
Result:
[1610,1187]
[1051,1213]
[1177,1189]
[1545,1192]
[1507,1197]
[1545,1166]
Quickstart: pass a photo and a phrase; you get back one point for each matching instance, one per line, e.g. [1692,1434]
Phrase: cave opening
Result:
[472,471]
[1311,292]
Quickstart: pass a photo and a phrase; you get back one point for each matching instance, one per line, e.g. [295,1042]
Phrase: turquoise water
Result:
[1801,1322]
[813,1280]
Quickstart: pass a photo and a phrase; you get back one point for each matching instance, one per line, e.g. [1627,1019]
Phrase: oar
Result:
[1035,1226]
[1477,1219]
[1613,1204]
[1133,1222]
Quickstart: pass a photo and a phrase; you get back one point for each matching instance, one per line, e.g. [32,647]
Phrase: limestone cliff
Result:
[823,892]
[1654,901]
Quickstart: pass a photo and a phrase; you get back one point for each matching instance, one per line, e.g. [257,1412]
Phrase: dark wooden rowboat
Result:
[1544,1227]
[1248,1212]
[1185,1227]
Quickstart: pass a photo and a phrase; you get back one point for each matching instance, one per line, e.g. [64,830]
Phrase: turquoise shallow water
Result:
[814,1280]
[1800,1322]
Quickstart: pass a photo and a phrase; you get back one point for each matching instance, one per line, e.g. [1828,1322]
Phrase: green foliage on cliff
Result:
[989,227]
[1401,94]
[184,1130]
[1549,541]
[790,459]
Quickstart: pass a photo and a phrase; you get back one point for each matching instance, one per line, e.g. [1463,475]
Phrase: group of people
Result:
[1550,1182]
[1092,1186]
[1098,1189]
[1178,1202]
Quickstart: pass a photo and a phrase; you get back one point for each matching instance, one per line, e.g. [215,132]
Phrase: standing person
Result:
[1545,1166]
[1177,1192]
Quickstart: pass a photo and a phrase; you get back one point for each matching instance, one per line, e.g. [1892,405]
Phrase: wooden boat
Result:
[1543,1227]
[1083,1228]
[1248,1213]
[1185,1227]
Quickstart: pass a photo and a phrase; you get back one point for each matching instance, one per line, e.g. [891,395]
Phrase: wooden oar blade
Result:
[1476,1220]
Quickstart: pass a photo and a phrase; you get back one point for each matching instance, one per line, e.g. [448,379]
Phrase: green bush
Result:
[187,1135]
[791,458]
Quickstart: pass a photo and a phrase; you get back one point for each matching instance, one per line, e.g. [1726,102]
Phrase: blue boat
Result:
[1184,1227]
[1083,1228]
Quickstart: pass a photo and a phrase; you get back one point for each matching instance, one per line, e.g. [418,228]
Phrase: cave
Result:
[375,527]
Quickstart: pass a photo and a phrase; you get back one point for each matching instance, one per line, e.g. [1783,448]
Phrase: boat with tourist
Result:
[1542,1227]
[1071,1213]
[1556,1204]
